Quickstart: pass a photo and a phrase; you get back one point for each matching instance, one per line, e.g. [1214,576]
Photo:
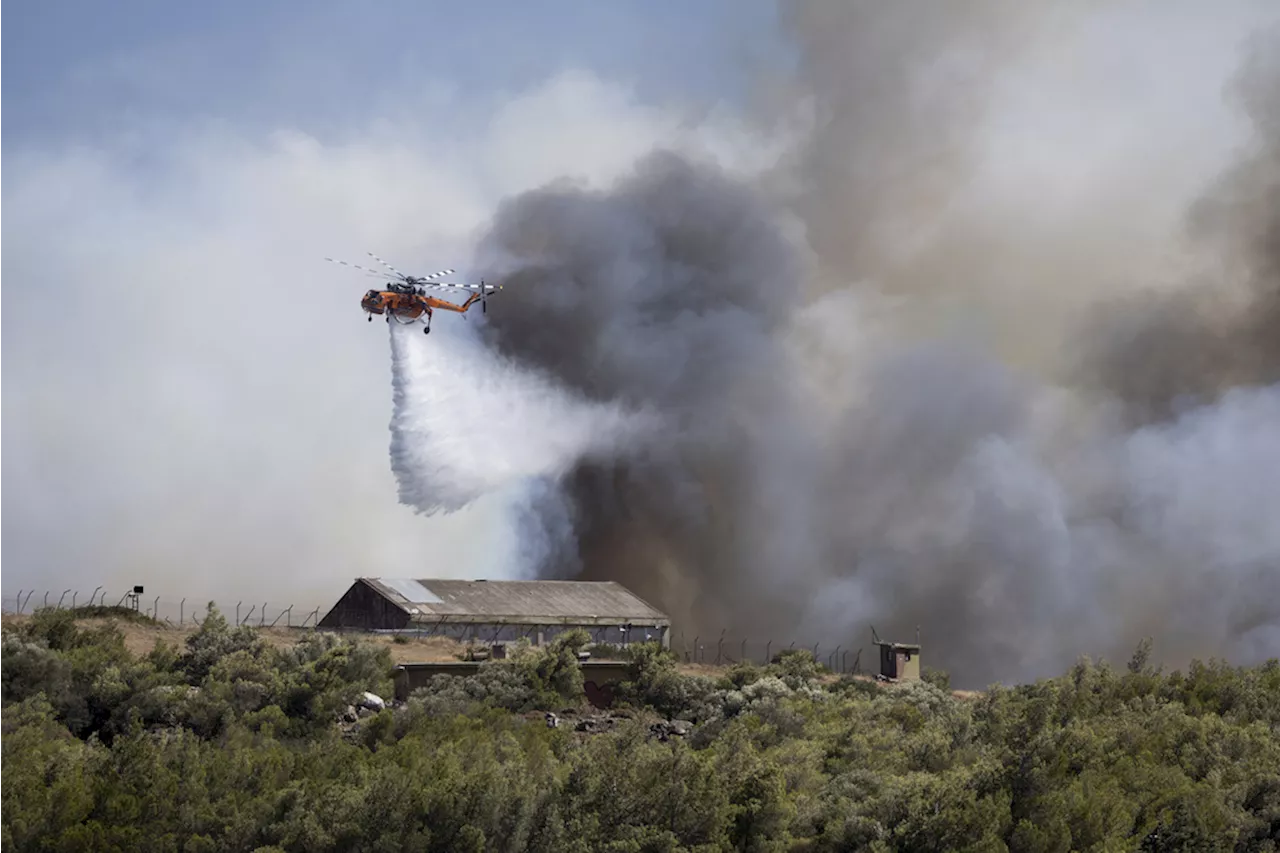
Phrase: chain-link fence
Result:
[725,651]
[716,651]
[166,609]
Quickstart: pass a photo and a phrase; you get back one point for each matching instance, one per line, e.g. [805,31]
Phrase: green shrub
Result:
[229,743]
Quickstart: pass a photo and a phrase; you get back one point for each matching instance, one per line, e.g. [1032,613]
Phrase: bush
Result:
[229,743]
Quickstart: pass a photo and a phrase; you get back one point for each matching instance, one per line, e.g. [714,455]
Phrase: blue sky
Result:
[83,67]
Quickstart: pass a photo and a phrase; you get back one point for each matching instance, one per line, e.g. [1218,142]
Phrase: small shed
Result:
[498,611]
[898,661]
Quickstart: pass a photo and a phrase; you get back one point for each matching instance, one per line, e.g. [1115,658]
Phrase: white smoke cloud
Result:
[193,400]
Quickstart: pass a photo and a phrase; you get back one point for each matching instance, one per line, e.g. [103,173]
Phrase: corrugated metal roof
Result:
[527,602]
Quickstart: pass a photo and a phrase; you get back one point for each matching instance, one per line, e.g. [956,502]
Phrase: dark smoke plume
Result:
[666,292]
[1171,350]
[819,469]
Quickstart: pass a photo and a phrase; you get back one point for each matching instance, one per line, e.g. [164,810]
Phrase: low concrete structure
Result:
[899,661]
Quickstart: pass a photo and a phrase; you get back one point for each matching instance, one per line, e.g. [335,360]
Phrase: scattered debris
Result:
[578,719]
[494,651]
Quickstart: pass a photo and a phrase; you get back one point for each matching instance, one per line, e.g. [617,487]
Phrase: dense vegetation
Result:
[230,744]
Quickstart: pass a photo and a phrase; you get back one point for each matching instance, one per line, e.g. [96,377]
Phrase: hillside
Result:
[123,735]
[141,634]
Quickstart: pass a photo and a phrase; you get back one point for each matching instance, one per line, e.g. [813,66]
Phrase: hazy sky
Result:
[193,400]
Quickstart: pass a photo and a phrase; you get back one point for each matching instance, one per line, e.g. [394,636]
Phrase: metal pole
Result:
[263,616]
[238,603]
[742,655]
[182,611]
[767,646]
[64,595]
[283,615]
[95,595]
[835,656]
[74,596]
[155,609]
[46,599]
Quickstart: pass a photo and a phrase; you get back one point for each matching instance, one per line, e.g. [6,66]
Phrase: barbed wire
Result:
[184,611]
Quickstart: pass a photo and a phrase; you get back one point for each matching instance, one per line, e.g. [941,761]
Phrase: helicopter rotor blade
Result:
[448,286]
[401,275]
[478,288]
[378,273]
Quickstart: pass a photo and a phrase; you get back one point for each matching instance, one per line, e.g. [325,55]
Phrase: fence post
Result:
[64,595]
[182,611]
[263,617]
[283,614]
[155,609]
[720,647]
[74,596]
[238,603]
[742,654]
[835,658]
[95,595]
[767,646]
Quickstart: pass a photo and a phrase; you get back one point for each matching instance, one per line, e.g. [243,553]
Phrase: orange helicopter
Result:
[405,297]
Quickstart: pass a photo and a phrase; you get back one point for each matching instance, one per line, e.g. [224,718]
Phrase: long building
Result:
[498,611]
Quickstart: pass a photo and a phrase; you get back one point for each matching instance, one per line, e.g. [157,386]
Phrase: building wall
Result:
[901,664]
[492,632]
[363,608]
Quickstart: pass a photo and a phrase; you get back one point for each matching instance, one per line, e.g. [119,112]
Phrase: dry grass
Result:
[140,638]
